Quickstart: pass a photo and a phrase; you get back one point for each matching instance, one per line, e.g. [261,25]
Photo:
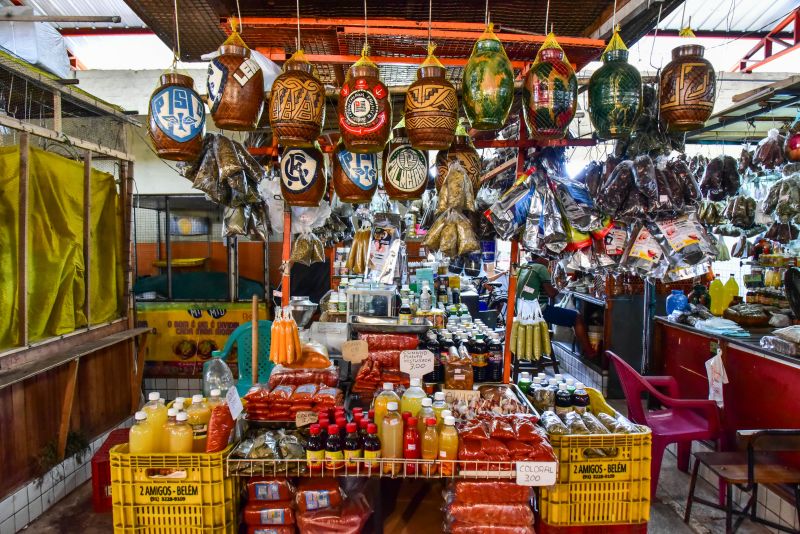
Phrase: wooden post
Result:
[57,124]
[87,233]
[22,243]
[126,192]
[66,407]
[254,372]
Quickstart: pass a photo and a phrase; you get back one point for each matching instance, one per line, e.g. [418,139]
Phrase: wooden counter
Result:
[763,385]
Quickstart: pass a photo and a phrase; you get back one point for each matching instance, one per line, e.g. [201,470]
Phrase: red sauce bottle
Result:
[411,445]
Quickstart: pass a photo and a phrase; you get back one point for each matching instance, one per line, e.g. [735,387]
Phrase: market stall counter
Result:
[760,382]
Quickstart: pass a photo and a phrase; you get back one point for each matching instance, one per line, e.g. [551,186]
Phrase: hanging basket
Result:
[235,86]
[176,118]
[355,176]
[303,179]
[364,109]
[488,83]
[431,108]
[687,89]
[297,103]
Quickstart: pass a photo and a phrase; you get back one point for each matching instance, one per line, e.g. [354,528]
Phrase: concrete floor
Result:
[414,516]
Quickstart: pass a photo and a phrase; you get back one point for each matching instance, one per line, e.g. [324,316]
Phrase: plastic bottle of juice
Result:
[412,447]
[199,415]
[143,437]
[731,290]
[448,446]
[162,434]
[439,405]
[180,438]
[430,445]
[440,422]
[315,449]
[392,438]
[580,398]
[215,398]
[425,412]
[717,293]
[380,405]
[524,382]
[155,410]
[412,398]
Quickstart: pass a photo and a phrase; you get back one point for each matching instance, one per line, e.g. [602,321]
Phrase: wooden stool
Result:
[758,464]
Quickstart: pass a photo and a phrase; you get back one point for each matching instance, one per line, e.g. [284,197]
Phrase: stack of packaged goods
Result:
[269,508]
[487,507]
[324,508]
[284,376]
[489,438]
[383,363]
[281,403]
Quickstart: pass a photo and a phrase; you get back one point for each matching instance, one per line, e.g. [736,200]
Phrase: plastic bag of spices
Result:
[615,189]
[307,249]
[643,255]
[684,240]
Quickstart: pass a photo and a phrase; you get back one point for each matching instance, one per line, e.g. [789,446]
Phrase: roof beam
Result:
[10,17]
[635,18]
[92,31]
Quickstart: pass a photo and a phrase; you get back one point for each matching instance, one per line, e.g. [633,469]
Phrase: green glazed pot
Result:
[488,84]
[615,96]
[550,93]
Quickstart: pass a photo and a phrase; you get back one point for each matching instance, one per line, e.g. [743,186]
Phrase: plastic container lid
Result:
[216,392]
[140,416]
[363,423]
[314,429]
[427,401]
[559,377]
[446,413]
[450,420]
[153,396]
[579,385]
[415,382]
[172,412]
[439,395]
[182,400]
[372,428]
[562,386]
[570,381]
[387,386]
[333,429]
[358,409]
[430,421]
[197,399]
[351,427]
[183,416]
[552,381]
[178,405]
[392,406]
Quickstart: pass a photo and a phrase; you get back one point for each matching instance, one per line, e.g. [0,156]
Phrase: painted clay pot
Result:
[365,110]
[405,168]
[303,180]
[488,83]
[793,147]
[615,96]
[686,89]
[235,88]
[550,92]
[355,176]
[463,151]
[431,110]
[176,116]
[297,104]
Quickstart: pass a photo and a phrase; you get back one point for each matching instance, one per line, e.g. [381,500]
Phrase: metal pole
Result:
[286,256]
[235,270]
[649,312]
[169,247]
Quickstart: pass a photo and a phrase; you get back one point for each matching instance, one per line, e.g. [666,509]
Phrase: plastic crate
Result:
[591,490]
[640,528]
[101,471]
[172,493]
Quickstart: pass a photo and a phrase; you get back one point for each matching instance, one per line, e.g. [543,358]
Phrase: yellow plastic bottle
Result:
[717,293]
[439,405]
[430,446]
[731,290]
[412,398]
[162,434]
[155,410]
[391,438]
[180,438]
[448,446]
[425,412]
[380,403]
[143,437]
[199,415]
[440,422]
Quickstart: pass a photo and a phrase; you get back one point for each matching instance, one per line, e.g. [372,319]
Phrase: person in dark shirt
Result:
[312,280]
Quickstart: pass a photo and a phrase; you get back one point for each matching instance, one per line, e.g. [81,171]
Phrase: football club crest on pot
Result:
[178,112]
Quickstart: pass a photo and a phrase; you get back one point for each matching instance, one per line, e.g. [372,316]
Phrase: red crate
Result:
[101,471]
[640,528]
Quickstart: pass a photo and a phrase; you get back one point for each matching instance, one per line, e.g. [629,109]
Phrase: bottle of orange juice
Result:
[143,437]
[180,438]
[380,405]
[199,415]
[430,446]
[448,446]
[155,410]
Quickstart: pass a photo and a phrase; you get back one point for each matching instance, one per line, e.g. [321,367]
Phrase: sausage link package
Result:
[351,520]
[390,341]
[268,513]
[272,529]
[269,489]
[489,514]
[461,528]
[318,494]
[487,492]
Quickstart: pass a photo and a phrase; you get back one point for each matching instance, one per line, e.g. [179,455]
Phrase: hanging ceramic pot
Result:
[687,89]
[176,116]
[615,93]
[235,86]
[488,83]
[355,176]
[303,180]
[550,92]
[297,103]
[431,110]
[463,151]
[405,168]
[365,109]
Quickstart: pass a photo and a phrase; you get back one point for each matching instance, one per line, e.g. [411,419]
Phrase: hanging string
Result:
[430,19]
[239,14]
[547,17]
[298,24]
[683,12]
[486,14]
[365,23]
[614,17]
[176,52]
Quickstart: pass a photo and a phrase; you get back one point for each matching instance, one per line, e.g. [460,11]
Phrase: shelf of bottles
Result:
[379,468]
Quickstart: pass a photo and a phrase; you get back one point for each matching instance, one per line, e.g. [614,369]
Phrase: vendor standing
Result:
[535,284]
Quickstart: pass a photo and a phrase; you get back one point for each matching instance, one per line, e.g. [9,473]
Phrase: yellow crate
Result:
[599,490]
[175,493]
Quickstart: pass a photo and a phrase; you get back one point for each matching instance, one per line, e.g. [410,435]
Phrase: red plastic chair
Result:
[680,421]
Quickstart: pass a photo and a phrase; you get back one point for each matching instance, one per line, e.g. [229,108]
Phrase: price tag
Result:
[355,351]
[416,362]
[537,473]
[234,402]
[305,418]
[455,395]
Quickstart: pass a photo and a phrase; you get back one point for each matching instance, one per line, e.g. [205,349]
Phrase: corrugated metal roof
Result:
[88,8]
[739,16]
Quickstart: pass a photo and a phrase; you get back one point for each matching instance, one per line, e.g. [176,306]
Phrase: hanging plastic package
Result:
[615,241]
[592,176]
[576,203]
[234,221]
[742,248]
[684,241]
[720,178]
[488,83]
[644,177]
[509,213]
[723,253]
[456,192]
[307,249]
[769,152]
[555,236]
[643,254]
[385,232]
[669,198]
[204,173]
[689,186]
[615,189]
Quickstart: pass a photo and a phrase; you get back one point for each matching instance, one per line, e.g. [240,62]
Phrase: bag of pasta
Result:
[307,249]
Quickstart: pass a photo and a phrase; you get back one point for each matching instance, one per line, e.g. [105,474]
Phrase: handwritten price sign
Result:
[305,418]
[416,362]
[536,473]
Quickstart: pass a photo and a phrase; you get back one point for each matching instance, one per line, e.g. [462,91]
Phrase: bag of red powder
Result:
[220,427]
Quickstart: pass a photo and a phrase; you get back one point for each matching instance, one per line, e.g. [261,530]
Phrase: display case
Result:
[370,302]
